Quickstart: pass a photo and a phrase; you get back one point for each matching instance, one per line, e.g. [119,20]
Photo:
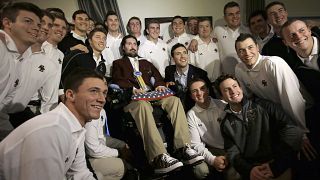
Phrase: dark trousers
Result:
[310,169]
[16,119]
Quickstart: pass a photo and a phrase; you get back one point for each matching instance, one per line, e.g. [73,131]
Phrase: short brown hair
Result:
[222,78]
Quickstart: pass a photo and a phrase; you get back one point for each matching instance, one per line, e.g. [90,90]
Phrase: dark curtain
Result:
[253,5]
[97,10]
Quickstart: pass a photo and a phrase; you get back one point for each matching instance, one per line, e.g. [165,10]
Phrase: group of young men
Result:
[257,122]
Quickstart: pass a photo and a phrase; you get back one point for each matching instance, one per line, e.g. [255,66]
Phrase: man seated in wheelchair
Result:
[139,75]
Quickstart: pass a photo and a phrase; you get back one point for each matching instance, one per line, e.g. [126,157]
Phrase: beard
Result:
[132,53]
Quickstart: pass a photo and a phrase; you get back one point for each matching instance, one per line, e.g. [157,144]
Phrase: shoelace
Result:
[167,158]
[190,151]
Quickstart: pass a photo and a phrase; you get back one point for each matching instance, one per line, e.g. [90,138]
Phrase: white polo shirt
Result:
[142,38]
[204,128]
[10,76]
[184,39]
[37,77]
[207,58]
[226,44]
[56,56]
[157,54]
[113,44]
[49,146]
[271,78]
[95,141]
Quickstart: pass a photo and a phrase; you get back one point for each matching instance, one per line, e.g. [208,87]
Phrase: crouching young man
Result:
[261,140]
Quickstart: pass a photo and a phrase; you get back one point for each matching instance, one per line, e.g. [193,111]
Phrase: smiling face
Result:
[199,93]
[98,41]
[277,15]
[135,26]
[87,102]
[178,26]
[180,57]
[45,30]
[232,17]
[248,52]
[24,30]
[153,31]
[205,29]
[81,23]
[231,91]
[298,36]
[112,23]
[59,30]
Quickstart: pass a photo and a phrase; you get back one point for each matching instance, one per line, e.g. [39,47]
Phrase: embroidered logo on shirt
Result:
[264,83]
[67,159]
[41,68]
[59,60]
[16,83]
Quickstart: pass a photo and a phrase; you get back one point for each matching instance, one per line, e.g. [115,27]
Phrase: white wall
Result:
[300,8]
[147,8]
[169,8]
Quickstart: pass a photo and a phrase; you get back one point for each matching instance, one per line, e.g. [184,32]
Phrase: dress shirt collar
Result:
[47,44]
[314,51]
[11,45]
[257,65]
[73,122]
[133,63]
[114,38]
[182,35]
[97,59]
[184,73]
[81,38]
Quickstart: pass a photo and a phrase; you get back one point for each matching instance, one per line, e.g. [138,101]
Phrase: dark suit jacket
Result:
[122,74]
[193,72]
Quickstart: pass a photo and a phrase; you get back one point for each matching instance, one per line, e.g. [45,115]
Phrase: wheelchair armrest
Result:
[118,97]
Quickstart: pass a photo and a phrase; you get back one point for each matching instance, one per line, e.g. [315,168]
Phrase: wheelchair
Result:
[122,126]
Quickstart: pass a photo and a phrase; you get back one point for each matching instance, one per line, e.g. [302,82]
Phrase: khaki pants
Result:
[201,171]
[141,111]
[110,167]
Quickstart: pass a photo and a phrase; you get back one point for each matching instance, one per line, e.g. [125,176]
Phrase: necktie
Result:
[136,64]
